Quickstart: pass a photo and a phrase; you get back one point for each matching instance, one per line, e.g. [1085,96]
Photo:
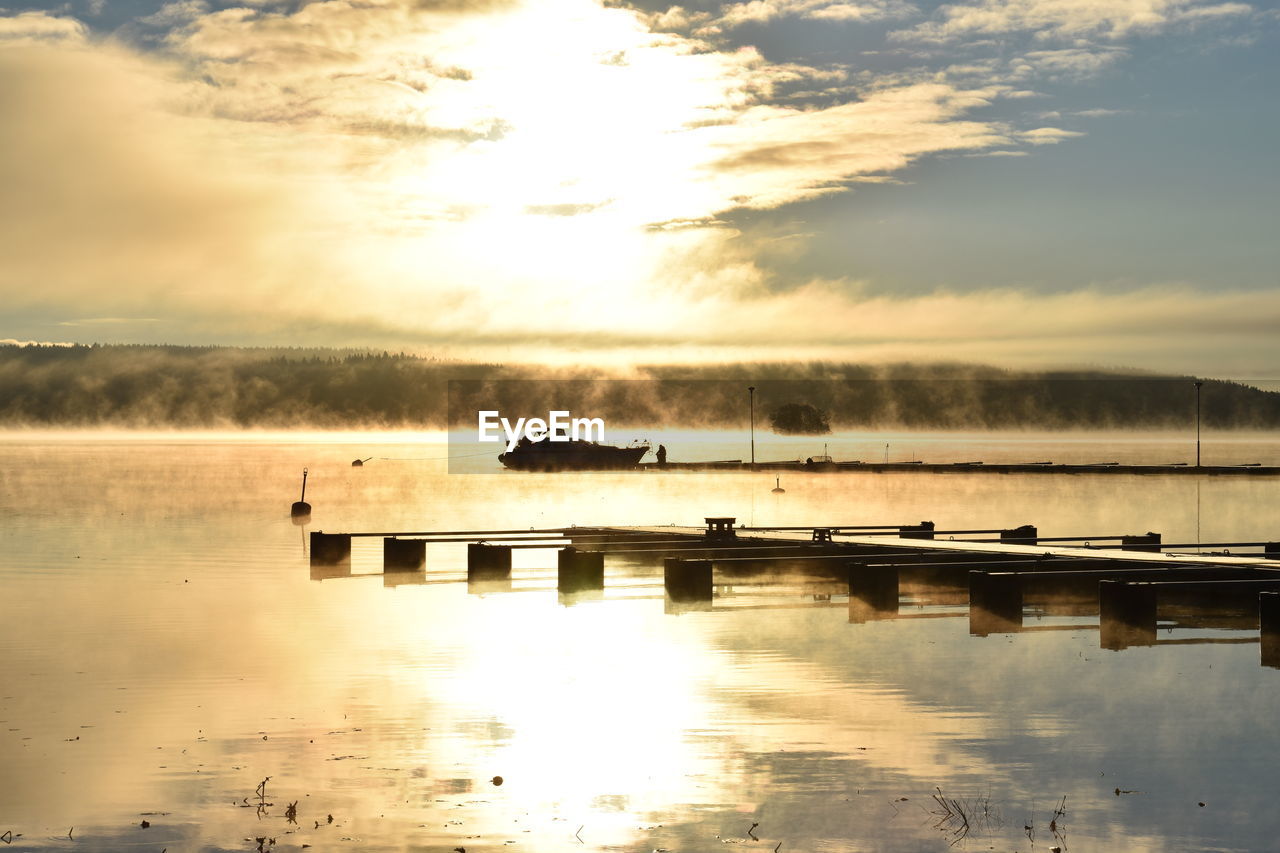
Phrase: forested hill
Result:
[218,387]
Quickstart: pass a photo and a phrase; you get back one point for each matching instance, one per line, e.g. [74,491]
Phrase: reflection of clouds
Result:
[606,711]
[785,701]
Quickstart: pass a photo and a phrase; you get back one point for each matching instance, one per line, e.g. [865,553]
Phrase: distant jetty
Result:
[1252,469]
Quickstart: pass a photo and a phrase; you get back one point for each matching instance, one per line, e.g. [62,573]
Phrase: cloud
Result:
[1047,135]
[1110,19]
[489,176]
[16,343]
[1068,62]
[176,14]
[112,201]
[33,28]
[761,11]
[790,154]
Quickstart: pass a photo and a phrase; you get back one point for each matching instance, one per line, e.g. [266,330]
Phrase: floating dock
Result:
[1132,583]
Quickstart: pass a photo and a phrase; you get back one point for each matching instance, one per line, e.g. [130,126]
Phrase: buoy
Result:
[301,507]
[777,486]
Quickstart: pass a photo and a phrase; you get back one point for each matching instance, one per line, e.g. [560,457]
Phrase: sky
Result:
[1013,182]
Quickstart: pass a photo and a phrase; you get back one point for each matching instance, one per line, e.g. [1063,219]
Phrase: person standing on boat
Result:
[662,456]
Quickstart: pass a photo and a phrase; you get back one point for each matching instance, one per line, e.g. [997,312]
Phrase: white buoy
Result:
[777,486]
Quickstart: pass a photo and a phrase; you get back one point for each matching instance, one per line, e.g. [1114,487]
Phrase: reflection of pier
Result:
[999,576]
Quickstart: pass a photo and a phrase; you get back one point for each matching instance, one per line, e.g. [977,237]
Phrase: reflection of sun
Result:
[598,703]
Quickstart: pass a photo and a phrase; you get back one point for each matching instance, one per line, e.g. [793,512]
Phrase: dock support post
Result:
[1142,542]
[403,555]
[995,603]
[579,570]
[873,592]
[687,580]
[1269,619]
[923,530]
[1271,550]
[488,562]
[328,549]
[1027,534]
[1127,614]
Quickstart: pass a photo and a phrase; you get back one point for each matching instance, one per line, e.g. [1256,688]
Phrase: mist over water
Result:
[166,646]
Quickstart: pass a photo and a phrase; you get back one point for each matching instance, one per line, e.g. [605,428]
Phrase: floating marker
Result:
[300,506]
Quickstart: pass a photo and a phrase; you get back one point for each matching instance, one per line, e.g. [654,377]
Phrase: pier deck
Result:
[1130,586]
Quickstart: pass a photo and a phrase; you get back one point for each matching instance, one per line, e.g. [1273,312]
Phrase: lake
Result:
[165,647]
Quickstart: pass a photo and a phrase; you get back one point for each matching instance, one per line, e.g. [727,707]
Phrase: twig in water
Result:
[752,833]
[958,816]
[779,847]
[579,837]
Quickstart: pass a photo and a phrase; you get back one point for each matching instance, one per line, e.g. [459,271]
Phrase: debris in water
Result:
[146,824]
[496,780]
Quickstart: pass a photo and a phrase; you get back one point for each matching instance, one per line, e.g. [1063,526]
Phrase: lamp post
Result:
[1198,384]
[751,394]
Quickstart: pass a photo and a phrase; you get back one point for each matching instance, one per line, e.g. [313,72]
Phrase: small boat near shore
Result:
[572,456]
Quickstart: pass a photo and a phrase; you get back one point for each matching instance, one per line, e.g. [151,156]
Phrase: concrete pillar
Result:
[687,580]
[873,592]
[328,549]
[1027,534]
[579,570]
[923,530]
[403,555]
[1269,618]
[1143,542]
[995,603]
[1127,614]
[488,562]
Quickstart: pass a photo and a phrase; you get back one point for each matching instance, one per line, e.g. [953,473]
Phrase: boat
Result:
[572,455]
[819,459]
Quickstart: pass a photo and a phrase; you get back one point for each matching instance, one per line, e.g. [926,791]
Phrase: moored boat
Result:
[572,456]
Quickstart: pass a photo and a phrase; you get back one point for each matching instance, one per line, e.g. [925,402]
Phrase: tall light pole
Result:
[751,394]
[1198,384]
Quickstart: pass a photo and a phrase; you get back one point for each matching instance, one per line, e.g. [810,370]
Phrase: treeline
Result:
[217,387]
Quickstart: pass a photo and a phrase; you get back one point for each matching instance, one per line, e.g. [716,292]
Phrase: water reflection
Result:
[171,625]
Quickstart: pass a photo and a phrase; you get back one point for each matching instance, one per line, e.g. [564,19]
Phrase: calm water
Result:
[165,647]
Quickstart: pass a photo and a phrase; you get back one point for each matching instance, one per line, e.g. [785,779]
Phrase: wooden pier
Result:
[1133,585]
[971,467]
